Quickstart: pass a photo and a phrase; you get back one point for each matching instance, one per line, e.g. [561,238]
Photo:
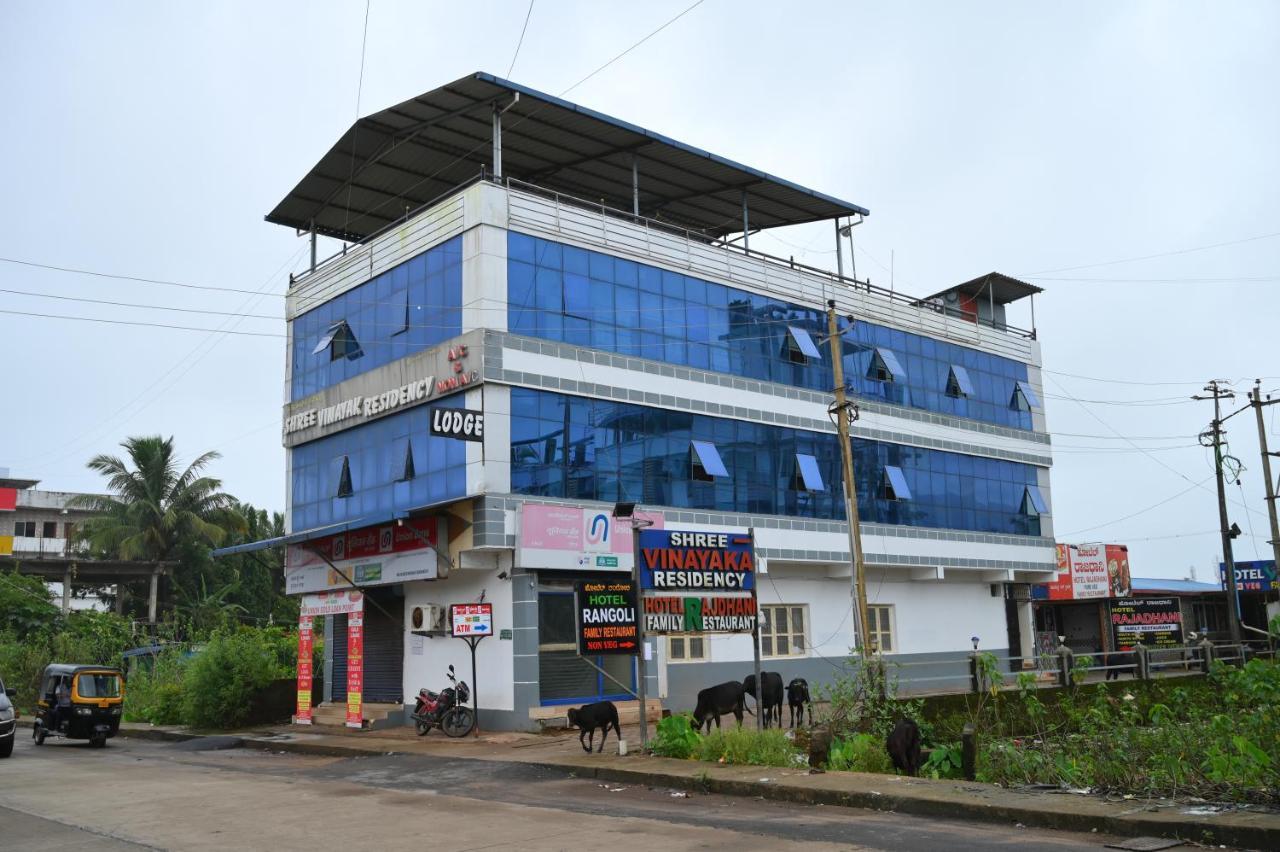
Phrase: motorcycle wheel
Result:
[40,735]
[423,728]
[458,722]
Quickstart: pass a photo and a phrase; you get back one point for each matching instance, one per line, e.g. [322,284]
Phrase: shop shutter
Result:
[383,646]
[339,691]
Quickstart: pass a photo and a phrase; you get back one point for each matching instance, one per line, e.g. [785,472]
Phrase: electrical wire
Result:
[1152,256]
[276,317]
[527,15]
[133,278]
[355,128]
[139,323]
[1169,499]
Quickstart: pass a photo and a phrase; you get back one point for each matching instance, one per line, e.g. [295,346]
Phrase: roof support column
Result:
[313,245]
[66,591]
[746,222]
[497,141]
[635,187]
[839,251]
[152,595]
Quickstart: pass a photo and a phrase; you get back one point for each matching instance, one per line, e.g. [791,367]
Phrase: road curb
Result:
[1241,829]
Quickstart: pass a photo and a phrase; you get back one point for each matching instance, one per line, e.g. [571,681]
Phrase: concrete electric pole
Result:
[843,412]
[1255,399]
[1217,394]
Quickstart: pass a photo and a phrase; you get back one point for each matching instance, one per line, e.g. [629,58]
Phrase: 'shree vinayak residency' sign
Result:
[383,390]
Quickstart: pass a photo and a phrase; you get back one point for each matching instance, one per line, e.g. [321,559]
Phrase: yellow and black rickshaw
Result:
[79,703]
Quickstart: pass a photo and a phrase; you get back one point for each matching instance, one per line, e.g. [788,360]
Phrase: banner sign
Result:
[607,618]
[371,556]
[355,670]
[1156,622]
[331,603]
[459,423]
[474,619]
[305,648]
[1088,572]
[672,560]
[722,614]
[576,538]
[1256,576]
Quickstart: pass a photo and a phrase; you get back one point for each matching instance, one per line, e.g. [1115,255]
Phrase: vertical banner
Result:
[1118,570]
[305,647]
[355,670]
[1089,577]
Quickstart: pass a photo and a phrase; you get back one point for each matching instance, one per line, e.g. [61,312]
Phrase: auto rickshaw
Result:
[79,703]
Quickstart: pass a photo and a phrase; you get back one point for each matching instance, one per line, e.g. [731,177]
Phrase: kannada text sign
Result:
[607,618]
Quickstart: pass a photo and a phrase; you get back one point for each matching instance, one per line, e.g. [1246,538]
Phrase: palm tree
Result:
[155,511]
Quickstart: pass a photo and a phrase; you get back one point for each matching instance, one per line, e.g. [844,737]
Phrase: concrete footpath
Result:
[1240,826]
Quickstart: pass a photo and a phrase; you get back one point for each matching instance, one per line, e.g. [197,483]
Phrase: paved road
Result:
[146,795]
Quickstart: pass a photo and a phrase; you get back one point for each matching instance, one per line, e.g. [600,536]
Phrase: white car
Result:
[8,723]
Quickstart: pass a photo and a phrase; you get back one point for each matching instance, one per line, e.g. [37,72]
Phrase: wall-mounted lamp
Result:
[502,575]
[974,640]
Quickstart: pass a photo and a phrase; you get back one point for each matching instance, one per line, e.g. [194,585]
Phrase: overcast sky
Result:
[149,139]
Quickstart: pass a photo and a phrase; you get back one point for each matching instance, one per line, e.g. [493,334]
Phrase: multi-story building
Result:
[587,286]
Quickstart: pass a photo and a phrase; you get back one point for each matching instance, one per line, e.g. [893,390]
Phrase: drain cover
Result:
[1145,844]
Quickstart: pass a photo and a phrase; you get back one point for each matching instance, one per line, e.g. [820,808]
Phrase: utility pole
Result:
[1217,394]
[1255,399]
[844,412]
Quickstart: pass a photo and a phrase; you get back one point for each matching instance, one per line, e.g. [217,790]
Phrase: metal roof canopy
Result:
[1000,288]
[396,160]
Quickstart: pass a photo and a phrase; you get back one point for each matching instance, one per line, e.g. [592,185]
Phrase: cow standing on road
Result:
[716,700]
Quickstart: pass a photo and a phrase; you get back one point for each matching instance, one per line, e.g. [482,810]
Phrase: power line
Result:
[527,15]
[355,128]
[139,323]
[133,278]
[1153,256]
[1169,499]
[633,47]
[137,305]
[1256,279]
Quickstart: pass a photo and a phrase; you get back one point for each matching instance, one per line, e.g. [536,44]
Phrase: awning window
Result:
[895,484]
[1033,502]
[808,477]
[800,347]
[340,476]
[885,366]
[706,461]
[327,337]
[340,340]
[1024,398]
[402,467]
[958,383]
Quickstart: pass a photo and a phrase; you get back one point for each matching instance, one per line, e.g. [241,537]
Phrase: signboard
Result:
[576,538]
[305,648]
[8,499]
[1088,572]
[1256,576]
[331,603]
[371,556]
[719,614]
[408,382]
[675,560]
[607,618]
[458,423]
[1158,621]
[355,670]
[473,619]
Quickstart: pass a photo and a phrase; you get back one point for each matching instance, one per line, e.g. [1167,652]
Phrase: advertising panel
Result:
[1118,581]
[8,499]
[331,603]
[373,556]
[1061,588]
[675,560]
[607,618]
[355,670]
[720,614]
[1089,571]
[1256,576]
[471,619]
[305,648]
[577,539]
[1156,622]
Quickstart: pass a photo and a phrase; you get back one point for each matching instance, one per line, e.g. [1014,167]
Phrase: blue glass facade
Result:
[375,454]
[404,310]
[573,447]
[586,298]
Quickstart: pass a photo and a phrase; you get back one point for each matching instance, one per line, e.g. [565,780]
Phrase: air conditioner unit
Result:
[435,619]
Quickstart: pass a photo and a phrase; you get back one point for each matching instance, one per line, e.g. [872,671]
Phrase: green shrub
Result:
[749,746]
[945,761]
[676,737]
[859,753]
[223,680]
[157,696]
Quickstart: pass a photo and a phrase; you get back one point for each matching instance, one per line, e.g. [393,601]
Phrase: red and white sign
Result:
[305,648]
[1089,571]
[331,603]
[578,539]
[372,556]
[8,499]
[1060,589]
[471,619]
[355,670]
[1118,571]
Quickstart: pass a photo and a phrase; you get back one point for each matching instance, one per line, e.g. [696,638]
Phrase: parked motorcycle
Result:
[445,709]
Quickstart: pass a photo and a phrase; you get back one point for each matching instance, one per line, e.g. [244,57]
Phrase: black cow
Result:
[903,745]
[798,699]
[1121,658]
[587,718]
[771,700]
[714,700]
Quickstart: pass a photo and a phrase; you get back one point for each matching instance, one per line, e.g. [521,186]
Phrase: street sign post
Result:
[472,622]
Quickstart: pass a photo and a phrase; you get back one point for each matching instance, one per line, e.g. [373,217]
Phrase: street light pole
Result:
[1217,394]
[843,412]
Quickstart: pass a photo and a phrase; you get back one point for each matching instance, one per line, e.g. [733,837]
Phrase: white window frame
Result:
[878,614]
[791,633]
[684,640]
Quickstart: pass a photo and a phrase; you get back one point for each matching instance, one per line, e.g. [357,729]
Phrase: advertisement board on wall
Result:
[606,618]
[471,619]
[1254,576]
[305,649]
[1156,622]
[710,614]
[379,555]
[355,670]
[331,603]
[1088,572]
[676,560]
[577,539]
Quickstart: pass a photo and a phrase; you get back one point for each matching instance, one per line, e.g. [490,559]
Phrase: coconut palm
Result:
[155,510]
